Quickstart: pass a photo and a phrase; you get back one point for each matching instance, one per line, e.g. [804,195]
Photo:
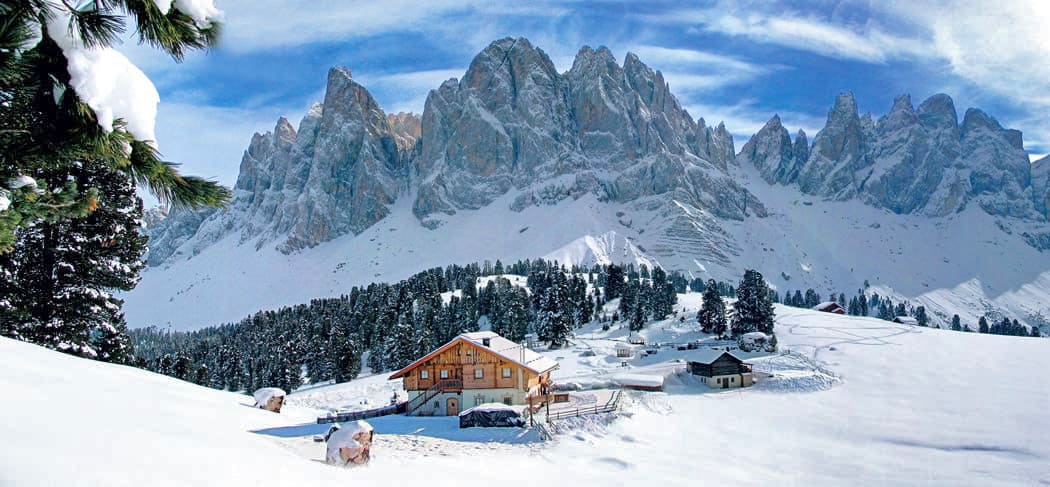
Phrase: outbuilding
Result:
[624,350]
[720,369]
[636,339]
[830,307]
[906,320]
[639,382]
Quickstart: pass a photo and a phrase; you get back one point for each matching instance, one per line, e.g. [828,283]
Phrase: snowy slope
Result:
[960,263]
[910,406]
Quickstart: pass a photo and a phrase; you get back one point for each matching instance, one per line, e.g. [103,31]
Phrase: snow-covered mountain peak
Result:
[555,163]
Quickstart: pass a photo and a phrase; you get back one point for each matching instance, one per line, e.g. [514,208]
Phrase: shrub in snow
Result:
[269,398]
[349,444]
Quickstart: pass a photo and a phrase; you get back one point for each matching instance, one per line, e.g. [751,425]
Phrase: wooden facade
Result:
[726,364]
[721,369]
[472,367]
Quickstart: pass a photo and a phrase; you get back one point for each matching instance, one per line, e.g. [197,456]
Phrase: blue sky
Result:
[738,62]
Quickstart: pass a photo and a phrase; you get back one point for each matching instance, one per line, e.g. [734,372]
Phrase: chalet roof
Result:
[499,346]
[709,355]
[826,305]
[906,320]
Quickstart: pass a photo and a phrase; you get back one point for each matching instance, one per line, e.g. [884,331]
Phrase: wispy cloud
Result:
[689,70]
[1001,47]
[866,42]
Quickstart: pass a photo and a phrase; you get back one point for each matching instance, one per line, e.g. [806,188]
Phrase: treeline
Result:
[873,305]
[386,326]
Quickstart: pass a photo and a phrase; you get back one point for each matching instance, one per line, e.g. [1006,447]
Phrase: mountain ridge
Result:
[611,141]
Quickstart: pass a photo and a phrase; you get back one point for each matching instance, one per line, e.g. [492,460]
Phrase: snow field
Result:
[851,401]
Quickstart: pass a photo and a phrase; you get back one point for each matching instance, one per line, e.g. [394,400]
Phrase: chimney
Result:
[486,342]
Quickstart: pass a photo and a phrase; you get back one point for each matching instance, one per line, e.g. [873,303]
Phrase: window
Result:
[508,400]
[424,374]
[444,374]
[506,372]
[733,379]
[478,373]
[719,381]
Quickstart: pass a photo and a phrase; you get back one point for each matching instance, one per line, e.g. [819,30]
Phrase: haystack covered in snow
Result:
[491,415]
[349,443]
[757,341]
[270,398]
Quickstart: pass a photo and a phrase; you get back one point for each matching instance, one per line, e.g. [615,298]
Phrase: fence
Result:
[608,407]
[356,415]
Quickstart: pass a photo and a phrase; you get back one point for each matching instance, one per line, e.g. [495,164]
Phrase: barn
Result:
[830,307]
[720,369]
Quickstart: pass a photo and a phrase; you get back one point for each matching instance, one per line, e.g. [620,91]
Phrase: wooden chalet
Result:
[720,369]
[830,307]
[474,369]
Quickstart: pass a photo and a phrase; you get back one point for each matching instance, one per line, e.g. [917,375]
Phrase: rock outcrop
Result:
[911,161]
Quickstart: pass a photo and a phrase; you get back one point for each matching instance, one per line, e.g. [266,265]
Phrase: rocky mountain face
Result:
[337,174]
[513,126]
[910,161]
[1041,185]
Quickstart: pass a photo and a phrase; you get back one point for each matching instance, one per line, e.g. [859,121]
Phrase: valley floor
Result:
[853,401]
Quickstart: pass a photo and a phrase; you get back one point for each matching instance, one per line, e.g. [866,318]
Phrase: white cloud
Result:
[868,42]
[688,70]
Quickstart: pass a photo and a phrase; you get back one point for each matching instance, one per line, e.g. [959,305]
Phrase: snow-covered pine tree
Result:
[637,321]
[712,316]
[982,325]
[613,281]
[60,275]
[920,316]
[753,310]
[956,323]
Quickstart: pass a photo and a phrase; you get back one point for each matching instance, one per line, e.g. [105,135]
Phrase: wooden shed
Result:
[830,307]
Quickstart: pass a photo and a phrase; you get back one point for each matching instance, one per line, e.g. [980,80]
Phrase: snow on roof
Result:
[627,346]
[502,347]
[826,305]
[638,380]
[709,355]
[491,407]
[519,354]
[907,320]
[755,335]
[264,394]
